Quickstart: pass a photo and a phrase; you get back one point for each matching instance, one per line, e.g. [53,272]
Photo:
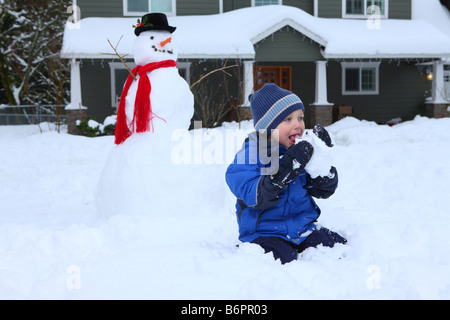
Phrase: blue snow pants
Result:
[288,251]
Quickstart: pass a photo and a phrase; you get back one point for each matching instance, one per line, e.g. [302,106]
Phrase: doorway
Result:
[280,75]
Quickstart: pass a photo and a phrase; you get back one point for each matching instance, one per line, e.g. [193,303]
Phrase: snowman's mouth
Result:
[162,50]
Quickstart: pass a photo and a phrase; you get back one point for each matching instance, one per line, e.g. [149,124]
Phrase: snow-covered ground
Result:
[392,204]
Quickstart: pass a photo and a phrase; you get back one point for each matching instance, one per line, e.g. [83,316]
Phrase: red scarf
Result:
[143,115]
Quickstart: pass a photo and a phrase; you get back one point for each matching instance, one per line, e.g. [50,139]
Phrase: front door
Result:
[280,75]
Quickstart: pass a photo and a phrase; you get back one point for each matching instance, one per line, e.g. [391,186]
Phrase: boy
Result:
[274,206]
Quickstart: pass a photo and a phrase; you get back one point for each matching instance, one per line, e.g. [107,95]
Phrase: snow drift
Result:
[391,204]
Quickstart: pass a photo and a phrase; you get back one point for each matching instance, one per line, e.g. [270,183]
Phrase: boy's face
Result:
[292,126]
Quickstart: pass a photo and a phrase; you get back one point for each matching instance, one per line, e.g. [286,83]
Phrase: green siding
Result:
[100,8]
[330,8]
[287,45]
[197,7]
[402,90]
[400,9]
[229,5]
[107,8]
[305,5]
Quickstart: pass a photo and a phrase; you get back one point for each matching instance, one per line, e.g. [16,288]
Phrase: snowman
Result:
[139,177]
[158,99]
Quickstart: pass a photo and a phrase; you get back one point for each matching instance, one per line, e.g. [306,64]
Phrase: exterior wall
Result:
[229,5]
[105,8]
[100,8]
[197,7]
[305,5]
[96,84]
[398,9]
[108,8]
[402,92]
[287,44]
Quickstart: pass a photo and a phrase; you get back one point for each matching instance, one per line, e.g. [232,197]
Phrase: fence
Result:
[31,114]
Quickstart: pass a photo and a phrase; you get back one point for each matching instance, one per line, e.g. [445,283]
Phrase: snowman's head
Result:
[154,46]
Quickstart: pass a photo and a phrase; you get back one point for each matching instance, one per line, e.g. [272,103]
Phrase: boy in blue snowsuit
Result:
[275,208]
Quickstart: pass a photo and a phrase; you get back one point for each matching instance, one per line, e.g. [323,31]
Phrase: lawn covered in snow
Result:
[392,204]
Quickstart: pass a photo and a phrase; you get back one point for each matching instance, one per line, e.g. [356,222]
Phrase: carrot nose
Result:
[163,43]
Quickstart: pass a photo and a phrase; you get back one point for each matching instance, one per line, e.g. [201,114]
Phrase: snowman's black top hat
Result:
[153,21]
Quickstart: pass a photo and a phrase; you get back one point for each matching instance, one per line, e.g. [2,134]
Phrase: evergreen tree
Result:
[30,66]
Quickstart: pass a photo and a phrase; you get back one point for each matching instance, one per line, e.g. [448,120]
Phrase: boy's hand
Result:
[292,163]
[323,134]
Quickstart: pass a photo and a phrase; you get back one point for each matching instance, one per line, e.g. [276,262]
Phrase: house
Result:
[367,58]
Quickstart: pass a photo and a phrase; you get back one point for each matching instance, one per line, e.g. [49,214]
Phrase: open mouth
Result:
[293,137]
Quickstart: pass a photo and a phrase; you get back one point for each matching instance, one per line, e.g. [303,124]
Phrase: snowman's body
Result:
[137,178]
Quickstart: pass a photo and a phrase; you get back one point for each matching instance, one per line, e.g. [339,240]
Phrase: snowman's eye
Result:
[152,37]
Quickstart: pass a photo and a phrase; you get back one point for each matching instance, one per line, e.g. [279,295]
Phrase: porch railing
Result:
[31,114]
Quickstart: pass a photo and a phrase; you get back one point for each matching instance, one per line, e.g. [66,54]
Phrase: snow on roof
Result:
[234,34]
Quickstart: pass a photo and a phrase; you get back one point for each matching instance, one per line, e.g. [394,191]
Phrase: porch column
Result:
[321,111]
[75,110]
[437,107]
[244,109]
[248,81]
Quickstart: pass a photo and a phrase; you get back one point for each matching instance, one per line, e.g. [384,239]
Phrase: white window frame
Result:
[366,14]
[187,67]
[113,66]
[280,2]
[360,66]
[139,14]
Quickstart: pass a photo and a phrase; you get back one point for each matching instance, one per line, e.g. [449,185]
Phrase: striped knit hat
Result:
[270,105]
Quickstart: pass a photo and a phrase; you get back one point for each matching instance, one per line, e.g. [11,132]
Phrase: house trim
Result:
[384,56]
[288,22]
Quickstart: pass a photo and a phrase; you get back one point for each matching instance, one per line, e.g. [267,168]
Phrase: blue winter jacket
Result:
[263,209]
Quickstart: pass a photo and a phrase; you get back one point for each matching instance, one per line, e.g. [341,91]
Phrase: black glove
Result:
[292,163]
[323,134]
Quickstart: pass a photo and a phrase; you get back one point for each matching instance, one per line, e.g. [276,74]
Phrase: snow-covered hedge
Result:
[91,128]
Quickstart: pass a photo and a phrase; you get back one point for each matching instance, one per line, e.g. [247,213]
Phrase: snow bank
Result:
[391,203]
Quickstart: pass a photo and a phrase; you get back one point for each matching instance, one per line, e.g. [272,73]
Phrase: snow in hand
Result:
[391,204]
[322,158]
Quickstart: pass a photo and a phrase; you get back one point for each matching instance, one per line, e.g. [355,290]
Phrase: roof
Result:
[233,35]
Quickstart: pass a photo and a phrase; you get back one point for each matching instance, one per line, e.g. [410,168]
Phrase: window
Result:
[359,78]
[257,3]
[141,7]
[447,84]
[364,8]
[119,75]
